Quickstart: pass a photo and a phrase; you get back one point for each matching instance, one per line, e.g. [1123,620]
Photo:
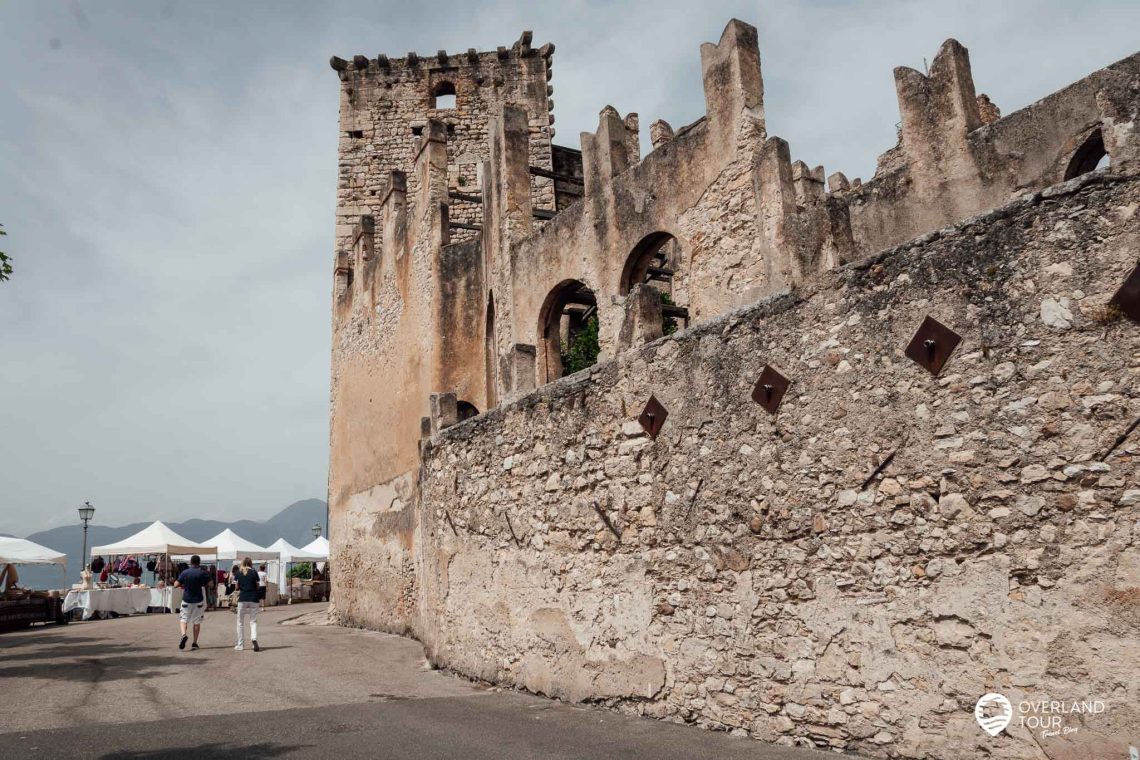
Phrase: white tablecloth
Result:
[124,601]
[169,597]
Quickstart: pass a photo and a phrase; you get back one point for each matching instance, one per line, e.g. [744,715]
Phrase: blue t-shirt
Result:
[193,580]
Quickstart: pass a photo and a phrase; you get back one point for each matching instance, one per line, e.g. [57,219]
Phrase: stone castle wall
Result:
[492,549]
[738,573]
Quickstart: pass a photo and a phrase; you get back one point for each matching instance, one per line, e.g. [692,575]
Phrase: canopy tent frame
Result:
[290,555]
[155,540]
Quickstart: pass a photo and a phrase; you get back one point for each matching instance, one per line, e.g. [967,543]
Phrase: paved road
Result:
[121,689]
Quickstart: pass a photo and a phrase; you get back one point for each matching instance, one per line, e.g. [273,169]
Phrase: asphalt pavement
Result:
[121,689]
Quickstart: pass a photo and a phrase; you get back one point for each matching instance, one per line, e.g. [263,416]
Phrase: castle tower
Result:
[409,291]
[385,104]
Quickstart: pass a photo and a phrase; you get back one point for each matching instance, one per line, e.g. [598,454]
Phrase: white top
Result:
[20,551]
[156,538]
[262,577]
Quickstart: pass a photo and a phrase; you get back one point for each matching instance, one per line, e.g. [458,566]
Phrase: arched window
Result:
[568,331]
[490,357]
[443,96]
[656,261]
[1091,155]
[465,410]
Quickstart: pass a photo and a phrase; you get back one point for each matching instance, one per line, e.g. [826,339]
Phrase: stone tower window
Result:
[1091,155]
[443,96]
[656,262]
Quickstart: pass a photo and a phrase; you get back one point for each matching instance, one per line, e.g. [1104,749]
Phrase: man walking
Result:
[193,582]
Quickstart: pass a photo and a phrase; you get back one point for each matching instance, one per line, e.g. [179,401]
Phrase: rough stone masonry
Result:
[852,572]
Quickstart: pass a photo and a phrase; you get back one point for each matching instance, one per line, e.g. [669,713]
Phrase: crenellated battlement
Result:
[383,64]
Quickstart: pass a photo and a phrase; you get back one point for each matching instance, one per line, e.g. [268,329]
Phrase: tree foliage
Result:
[668,324]
[582,349]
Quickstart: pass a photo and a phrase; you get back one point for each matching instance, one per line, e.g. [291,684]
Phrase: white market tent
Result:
[279,570]
[20,551]
[290,553]
[319,546]
[156,538]
[231,546]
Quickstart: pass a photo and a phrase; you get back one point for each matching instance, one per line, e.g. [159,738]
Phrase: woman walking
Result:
[246,581]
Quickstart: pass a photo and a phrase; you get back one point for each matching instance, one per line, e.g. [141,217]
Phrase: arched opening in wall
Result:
[1090,156]
[443,96]
[568,331]
[489,357]
[465,410]
[656,262]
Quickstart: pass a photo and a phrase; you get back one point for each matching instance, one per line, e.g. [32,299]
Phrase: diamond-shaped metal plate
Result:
[1127,299]
[653,416]
[770,389]
[932,345]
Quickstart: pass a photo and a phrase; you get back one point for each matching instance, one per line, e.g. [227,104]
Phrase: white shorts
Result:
[192,614]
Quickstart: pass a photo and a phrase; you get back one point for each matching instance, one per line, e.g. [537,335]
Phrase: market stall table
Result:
[121,601]
[169,598]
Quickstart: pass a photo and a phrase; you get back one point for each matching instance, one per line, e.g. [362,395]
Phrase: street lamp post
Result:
[316,535]
[86,512]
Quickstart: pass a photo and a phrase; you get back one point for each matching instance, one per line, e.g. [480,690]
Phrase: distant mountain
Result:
[294,524]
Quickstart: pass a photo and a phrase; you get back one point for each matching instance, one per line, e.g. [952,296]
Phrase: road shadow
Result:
[96,669]
[211,751]
[13,639]
[59,652]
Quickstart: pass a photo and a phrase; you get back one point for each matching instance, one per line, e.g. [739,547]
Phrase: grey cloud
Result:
[167,177]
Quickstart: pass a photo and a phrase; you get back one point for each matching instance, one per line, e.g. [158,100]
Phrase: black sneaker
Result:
[194,645]
[182,644]
[256,648]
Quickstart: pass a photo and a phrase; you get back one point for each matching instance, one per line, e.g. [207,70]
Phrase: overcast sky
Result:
[167,181]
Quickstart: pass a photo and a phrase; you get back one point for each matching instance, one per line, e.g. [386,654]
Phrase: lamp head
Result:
[316,531]
[86,512]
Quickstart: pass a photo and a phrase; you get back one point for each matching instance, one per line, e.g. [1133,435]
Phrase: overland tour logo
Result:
[993,713]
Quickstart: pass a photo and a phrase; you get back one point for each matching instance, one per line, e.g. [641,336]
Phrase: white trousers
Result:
[244,610]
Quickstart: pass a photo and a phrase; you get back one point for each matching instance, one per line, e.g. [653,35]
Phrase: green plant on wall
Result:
[668,324]
[582,349]
[5,262]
